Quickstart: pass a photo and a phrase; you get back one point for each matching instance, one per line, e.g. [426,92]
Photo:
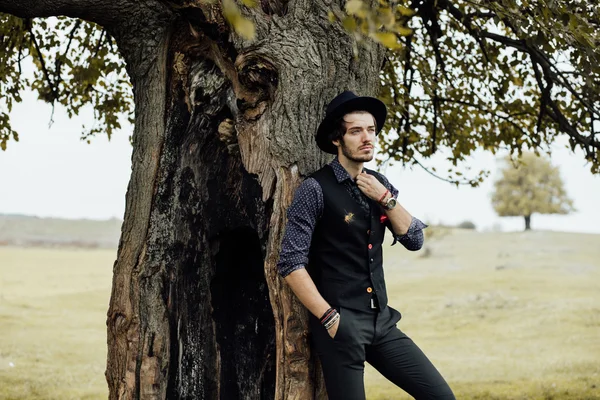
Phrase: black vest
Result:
[345,258]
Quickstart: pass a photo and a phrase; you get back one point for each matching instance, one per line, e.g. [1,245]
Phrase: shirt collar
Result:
[339,171]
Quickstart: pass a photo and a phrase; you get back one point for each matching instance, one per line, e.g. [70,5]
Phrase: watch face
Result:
[391,203]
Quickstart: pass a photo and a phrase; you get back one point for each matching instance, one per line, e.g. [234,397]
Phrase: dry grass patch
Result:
[502,315]
[53,305]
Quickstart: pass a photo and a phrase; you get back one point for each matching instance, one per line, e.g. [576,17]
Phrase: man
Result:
[331,257]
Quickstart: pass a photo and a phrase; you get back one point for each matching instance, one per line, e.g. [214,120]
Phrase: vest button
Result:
[370,246]
[369,290]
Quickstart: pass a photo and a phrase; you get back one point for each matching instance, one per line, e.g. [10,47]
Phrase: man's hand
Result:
[370,186]
[333,330]
[304,287]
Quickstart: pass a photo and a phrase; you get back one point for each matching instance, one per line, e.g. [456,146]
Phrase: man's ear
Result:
[336,143]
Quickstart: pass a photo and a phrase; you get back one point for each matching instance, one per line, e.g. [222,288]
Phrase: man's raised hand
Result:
[370,186]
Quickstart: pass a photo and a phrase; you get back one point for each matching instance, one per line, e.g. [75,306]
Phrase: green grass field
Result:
[502,315]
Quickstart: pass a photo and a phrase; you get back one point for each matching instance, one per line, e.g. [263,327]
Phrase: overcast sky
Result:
[51,172]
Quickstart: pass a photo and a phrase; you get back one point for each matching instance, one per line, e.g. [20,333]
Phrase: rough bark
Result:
[138,332]
[223,136]
[311,61]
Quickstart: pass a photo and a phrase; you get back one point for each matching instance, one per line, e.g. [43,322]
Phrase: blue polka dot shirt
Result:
[307,208]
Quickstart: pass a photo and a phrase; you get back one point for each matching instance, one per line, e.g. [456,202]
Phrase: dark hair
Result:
[339,126]
[338,129]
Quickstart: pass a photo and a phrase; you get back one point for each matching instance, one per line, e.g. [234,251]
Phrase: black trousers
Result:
[372,336]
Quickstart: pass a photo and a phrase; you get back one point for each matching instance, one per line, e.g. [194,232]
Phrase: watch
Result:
[390,204]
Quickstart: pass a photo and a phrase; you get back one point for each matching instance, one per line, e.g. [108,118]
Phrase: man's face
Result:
[358,142]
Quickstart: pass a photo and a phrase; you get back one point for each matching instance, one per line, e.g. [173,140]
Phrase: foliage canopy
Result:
[495,75]
[75,64]
[459,74]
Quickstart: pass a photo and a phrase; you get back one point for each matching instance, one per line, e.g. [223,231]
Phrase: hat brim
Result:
[370,104]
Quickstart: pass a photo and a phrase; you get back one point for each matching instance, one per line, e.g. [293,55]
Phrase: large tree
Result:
[531,186]
[227,98]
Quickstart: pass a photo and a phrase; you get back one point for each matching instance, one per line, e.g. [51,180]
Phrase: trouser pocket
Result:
[341,324]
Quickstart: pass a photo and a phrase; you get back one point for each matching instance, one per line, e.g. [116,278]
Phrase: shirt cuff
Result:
[285,270]
[414,235]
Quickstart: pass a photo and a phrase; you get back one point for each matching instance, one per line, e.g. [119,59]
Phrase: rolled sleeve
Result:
[302,216]
[389,186]
[414,238]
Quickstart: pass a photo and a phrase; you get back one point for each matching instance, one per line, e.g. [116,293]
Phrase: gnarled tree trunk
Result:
[224,134]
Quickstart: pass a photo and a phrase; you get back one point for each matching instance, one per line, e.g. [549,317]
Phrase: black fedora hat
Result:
[342,104]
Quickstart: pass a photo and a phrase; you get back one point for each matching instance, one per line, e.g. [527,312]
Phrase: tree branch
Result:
[102,12]
[19,58]
[408,82]
[494,114]
[466,20]
[436,106]
[481,14]
[549,67]
[551,74]
[40,56]
[66,53]
[463,181]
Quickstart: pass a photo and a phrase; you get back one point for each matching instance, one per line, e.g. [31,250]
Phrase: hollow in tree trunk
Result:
[224,135]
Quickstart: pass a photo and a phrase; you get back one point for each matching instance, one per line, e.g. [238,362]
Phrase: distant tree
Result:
[532,186]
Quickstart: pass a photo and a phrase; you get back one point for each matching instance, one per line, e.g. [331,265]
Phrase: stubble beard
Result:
[359,158]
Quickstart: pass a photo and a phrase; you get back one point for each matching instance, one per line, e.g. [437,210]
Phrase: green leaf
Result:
[241,25]
[405,11]
[353,6]
[349,23]
[386,17]
[402,30]
[388,39]
[245,28]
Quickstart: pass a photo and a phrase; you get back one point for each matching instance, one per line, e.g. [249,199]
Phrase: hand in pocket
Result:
[333,330]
